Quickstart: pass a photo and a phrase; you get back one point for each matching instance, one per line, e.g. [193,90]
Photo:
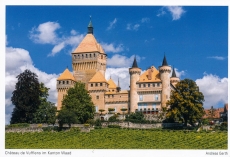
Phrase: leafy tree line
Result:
[31,105]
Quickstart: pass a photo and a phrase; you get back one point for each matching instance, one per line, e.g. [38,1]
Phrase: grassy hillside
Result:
[114,138]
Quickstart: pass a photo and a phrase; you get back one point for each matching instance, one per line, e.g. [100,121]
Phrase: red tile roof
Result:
[216,114]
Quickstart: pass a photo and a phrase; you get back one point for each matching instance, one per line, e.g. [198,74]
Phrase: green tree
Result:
[25,97]
[186,102]
[137,117]
[66,116]
[79,101]
[46,113]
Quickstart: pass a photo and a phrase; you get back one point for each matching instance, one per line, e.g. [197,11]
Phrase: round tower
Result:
[165,71]
[134,72]
[174,79]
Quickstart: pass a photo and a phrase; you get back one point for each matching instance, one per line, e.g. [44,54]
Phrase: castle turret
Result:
[88,58]
[64,82]
[165,71]
[174,79]
[134,72]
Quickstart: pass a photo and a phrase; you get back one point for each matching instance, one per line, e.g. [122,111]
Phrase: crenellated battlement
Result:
[134,71]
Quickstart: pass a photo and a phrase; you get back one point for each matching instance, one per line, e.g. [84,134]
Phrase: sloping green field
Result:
[114,138]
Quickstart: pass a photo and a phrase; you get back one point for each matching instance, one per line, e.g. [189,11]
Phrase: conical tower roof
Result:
[66,75]
[173,73]
[164,63]
[135,63]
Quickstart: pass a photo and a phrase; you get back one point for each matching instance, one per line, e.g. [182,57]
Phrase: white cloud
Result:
[16,57]
[111,47]
[145,20]
[122,74]
[132,27]
[152,39]
[128,27]
[161,12]
[57,48]
[214,89]
[73,32]
[45,33]
[179,73]
[136,27]
[111,24]
[175,11]
[17,60]
[72,41]
[217,57]
[120,61]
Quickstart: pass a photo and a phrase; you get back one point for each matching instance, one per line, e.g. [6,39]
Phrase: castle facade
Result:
[148,92]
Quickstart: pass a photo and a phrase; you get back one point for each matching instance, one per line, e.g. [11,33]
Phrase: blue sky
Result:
[194,40]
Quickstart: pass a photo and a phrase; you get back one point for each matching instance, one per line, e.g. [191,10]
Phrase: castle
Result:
[148,92]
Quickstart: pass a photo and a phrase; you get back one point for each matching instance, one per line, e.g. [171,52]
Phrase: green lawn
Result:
[114,138]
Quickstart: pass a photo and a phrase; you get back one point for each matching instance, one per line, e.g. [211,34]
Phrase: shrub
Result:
[18,125]
[39,125]
[205,121]
[113,119]
[224,126]
[135,116]
[114,126]
[75,129]
[111,110]
[90,121]
[47,128]
[98,122]
[97,127]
